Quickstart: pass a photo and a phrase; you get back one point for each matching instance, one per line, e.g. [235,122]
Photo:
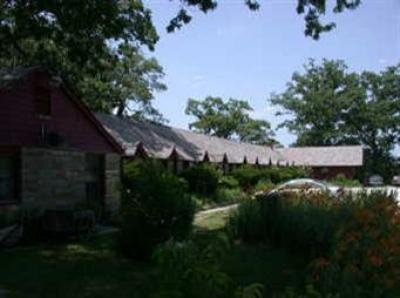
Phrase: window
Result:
[43,102]
[8,178]
[94,164]
[95,182]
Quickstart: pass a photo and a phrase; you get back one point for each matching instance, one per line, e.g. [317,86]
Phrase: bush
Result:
[293,222]
[228,182]
[193,269]
[155,208]
[365,259]
[341,180]
[31,220]
[9,218]
[202,179]
[353,244]
[281,174]
[229,196]
[247,222]
[248,176]
[264,186]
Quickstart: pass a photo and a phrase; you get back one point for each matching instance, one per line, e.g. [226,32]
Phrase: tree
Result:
[94,44]
[314,102]
[312,10]
[229,120]
[327,105]
[128,87]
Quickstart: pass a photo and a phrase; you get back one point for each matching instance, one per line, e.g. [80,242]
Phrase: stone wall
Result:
[52,178]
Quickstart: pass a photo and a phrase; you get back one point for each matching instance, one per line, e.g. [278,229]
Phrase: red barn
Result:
[53,151]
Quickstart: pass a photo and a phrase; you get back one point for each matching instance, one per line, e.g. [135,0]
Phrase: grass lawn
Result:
[212,221]
[81,269]
[91,268]
[247,264]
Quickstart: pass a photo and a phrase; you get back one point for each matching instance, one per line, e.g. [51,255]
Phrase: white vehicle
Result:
[375,180]
[308,185]
[396,180]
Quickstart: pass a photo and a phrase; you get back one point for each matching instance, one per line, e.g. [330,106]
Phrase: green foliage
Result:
[264,185]
[228,120]
[343,181]
[249,176]
[31,220]
[202,179]
[313,11]
[155,208]
[329,105]
[193,269]
[365,258]
[305,222]
[281,174]
[309,292]
[247,222]
[102,63]
[229,196]
[228,182]
[352,243]
[9,217]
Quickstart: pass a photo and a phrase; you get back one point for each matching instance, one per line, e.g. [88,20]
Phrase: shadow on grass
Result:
[270,266]
[82,269]
[92,268]
[246,264]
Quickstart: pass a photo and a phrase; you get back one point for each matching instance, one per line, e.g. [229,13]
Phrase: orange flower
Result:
[321,263]
[376,260]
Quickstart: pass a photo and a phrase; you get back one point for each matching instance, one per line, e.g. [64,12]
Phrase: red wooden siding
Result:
[323,173]
[21,126]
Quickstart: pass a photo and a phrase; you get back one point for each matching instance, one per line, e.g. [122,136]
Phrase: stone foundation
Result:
[51,178]
[112,182]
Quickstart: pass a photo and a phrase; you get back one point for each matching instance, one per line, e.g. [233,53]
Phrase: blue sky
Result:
[233,52]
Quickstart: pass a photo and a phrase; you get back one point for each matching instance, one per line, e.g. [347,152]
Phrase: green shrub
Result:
[247,222]
[248,176]
[155,208]
[305,222]
[264,185]
[365,259]
[31,219]
[193,269]
[202,179]
[353,243]
[343,181]
[228,182]
[9,217]
[229,196]
[281,174]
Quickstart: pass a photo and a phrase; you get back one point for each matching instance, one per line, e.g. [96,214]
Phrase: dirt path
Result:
[218,209]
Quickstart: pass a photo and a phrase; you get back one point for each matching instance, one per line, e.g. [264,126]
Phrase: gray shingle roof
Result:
[159,141]
[324,156]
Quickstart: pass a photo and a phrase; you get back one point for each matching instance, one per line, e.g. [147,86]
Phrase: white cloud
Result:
[382,61]
[197,81]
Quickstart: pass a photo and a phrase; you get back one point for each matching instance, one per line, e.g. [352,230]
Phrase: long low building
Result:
[326,162]
[180,148]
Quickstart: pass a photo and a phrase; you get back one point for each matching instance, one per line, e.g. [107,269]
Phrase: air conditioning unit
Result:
[54,139]
[50,138]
